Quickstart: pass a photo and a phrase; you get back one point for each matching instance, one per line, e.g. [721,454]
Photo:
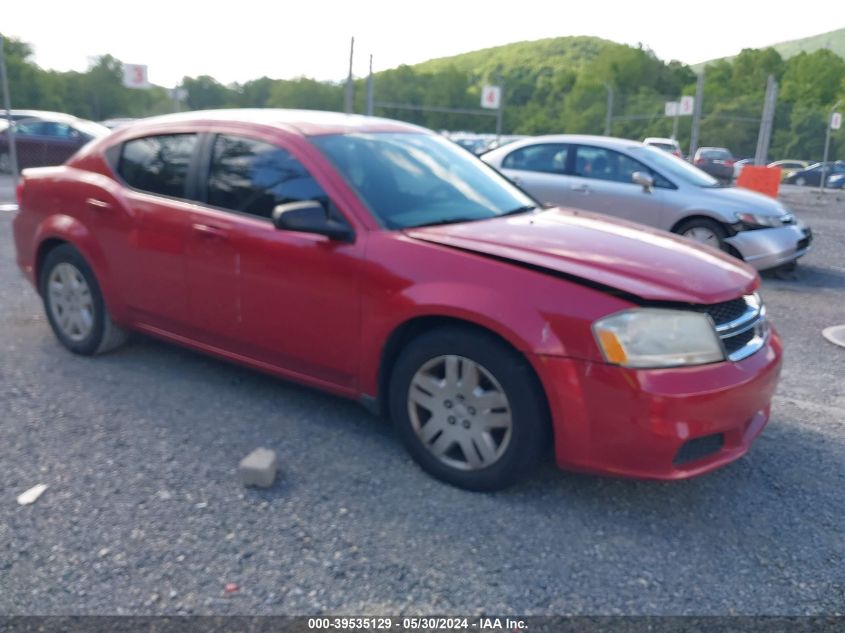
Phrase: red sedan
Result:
[379,261]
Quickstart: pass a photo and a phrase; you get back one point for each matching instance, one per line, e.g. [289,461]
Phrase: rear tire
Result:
[468,408]
[74,304]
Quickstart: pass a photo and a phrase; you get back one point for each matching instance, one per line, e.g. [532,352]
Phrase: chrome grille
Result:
[741,325]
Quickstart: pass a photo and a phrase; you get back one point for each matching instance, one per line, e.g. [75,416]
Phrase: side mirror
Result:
[309,216]
[644,180]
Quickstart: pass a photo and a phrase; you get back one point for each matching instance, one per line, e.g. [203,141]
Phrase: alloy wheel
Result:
[70,300]
[460,412]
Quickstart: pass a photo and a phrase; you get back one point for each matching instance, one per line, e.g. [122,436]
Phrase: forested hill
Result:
[552,85]
[833,41]
[551,54]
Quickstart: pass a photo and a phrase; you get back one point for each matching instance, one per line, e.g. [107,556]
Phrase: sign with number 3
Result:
[135,76]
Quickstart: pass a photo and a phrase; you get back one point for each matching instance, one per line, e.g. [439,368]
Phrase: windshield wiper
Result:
[452,220]
[523,209]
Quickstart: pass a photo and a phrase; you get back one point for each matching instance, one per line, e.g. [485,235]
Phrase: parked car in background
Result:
[836,181]
[788,167]
[47,141]
[640,183]
[812,175]
[32,114]
[738,165]
[716,161]
[666,144]
[380,262]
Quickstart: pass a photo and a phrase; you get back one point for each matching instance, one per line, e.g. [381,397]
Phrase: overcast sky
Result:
[239,40]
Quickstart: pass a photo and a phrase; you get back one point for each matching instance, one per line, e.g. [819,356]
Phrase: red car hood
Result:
[649,264]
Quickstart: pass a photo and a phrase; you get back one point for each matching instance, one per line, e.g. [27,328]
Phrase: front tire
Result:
[468,408]
[704,231]
[74,304]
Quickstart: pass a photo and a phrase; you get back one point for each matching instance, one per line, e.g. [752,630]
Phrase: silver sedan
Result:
[629,180]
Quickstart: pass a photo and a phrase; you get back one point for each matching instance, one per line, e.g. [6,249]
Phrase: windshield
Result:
[411,179]
[672,166]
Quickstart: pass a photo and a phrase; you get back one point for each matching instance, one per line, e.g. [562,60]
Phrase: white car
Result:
[666,144]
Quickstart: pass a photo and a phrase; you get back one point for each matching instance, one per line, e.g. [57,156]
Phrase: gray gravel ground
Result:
[144,513]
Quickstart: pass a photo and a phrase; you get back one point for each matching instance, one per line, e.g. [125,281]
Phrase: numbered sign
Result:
[835,120]
[687,105]
[491,97]
[135,76]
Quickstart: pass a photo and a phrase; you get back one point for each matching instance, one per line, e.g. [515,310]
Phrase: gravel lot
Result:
[144,513]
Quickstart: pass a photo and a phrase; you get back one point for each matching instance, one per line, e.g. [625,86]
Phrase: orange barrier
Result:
[763,179]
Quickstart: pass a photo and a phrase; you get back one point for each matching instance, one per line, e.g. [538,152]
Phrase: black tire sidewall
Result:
[530,430]
[68,254]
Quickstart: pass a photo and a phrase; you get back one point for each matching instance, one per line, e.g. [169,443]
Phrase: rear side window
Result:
[158,164]
[252,176]
[547,157]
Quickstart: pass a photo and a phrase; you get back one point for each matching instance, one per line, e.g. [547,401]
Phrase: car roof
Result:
[305,122]
[660,139]
[609,142]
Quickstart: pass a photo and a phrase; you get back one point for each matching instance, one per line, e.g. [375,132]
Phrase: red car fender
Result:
[520,325]
[68,229]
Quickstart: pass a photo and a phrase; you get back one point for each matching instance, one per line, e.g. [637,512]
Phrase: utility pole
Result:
[348,100]
[13,150]
[765,136]
[370,89]
[608,123]
[696,114]
[827,144]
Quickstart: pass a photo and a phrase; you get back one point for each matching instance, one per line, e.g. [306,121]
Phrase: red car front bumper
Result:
[658,423]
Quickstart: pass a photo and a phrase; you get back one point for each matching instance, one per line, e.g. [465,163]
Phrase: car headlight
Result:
[756,221]
[657,337]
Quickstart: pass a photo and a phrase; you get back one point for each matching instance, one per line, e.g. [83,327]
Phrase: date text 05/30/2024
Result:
[417,624]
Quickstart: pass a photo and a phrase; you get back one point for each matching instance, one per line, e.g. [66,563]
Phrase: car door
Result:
[540,170]
[156,171]
[601,181]
[285,298]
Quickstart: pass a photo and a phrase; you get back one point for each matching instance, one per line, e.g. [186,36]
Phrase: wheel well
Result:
[406,332]
[699,216]
[728,229]
[43,250]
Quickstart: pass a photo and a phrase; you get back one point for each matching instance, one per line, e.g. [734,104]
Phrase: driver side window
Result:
[250,176]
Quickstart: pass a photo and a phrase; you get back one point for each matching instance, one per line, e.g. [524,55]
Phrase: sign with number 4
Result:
[491,97]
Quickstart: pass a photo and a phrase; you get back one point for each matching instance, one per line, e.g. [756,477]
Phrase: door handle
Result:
[210,231]
[97,205]
[580,188]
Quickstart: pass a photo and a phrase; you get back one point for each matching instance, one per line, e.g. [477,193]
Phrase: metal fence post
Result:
[13,153]
[608,123]
[696,114]
[827,144]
